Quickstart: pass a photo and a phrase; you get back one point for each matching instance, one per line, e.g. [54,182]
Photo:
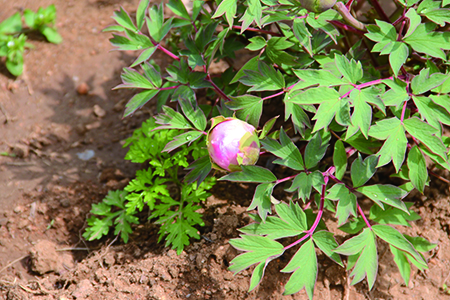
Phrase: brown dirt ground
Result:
[46,191]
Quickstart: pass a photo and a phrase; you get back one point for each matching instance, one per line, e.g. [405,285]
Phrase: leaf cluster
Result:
[175,212]
[13,37]
[361,101]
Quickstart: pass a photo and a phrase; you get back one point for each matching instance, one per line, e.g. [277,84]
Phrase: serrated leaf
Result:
[427,135]
[138,101]
[394,148]
[171,119]
[258,249]
[425,40]
[227,7]
[275,51]
[362,171]
[291,221]
[402,263]
[286,150]
[326,242]
[251,174]
[426,81]
[417,166]
[339,159]
[396,239]
[194,114]
[265,79]
[140,13]
[123,18]
[304,266]
[386,193]
[247,107]
[350,69]
[315,151]
[157,28]
[312,77]
[347,202]
[396,95]
[437,15]
[394,216]
[178,8]
[184,138]
[256,43]
[262,200]
[199,170]
[367,264]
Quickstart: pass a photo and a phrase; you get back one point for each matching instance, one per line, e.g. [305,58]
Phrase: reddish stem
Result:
[273,96]
[167,52]
[347,27]
[380,11]
[365,84]
[169,87]
[363,216]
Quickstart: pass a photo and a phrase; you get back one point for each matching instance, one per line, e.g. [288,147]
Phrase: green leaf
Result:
[274,51]
[178,8]
[396,239]
[350,69]
[133,79]
[184,138]
[326,242]
[227,7]
[402,263]
[262,199]
[417,168]
[425,40]
[11,25]
[258,249]
[300,119]
[170,119]
[347,202]
[140,13]
[304,266]
[438,15]
[138,101]
[265,79]
[362,171]
[397,56]
[291,221]
[362,112]
[339,159]
[157,28]
[426,81]
[427,135]
[393,216]
[252,14]
[353,227]
[247,107]
[365,247]
[199,170]
[123,18]
[396,95]
[144,56]
[315,151]
[414,21]
[267,127]
[194,114]
[311,77]
[420,244]
[303,35]
[251,174]
[256,43]
[386,193]
[287,151]
[394,147]
[252,65]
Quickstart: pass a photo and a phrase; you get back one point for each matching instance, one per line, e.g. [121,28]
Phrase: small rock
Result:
[23,223]
[20,150]
[65,202]
[94,125]
[44,258]
[83,88]
[83,289]
[109,260]
[80,129]
[98,111]
[18,209]
[86,155]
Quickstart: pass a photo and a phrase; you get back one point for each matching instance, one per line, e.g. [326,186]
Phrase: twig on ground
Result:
[13,262]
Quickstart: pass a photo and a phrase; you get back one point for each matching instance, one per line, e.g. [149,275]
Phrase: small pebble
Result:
[83,88]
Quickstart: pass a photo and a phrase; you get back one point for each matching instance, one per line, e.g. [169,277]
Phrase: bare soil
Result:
[63,106]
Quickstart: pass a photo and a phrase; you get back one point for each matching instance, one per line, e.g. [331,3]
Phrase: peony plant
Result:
[364,91]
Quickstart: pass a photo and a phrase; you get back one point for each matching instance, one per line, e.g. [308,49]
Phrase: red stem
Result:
[380,11]
[347,27]
[365,84]
[273,96]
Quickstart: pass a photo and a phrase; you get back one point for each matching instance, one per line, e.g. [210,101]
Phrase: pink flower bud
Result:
[231,143]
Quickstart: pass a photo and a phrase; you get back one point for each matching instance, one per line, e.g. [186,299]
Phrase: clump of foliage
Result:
[176,211]
[13,35]
[365,96]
